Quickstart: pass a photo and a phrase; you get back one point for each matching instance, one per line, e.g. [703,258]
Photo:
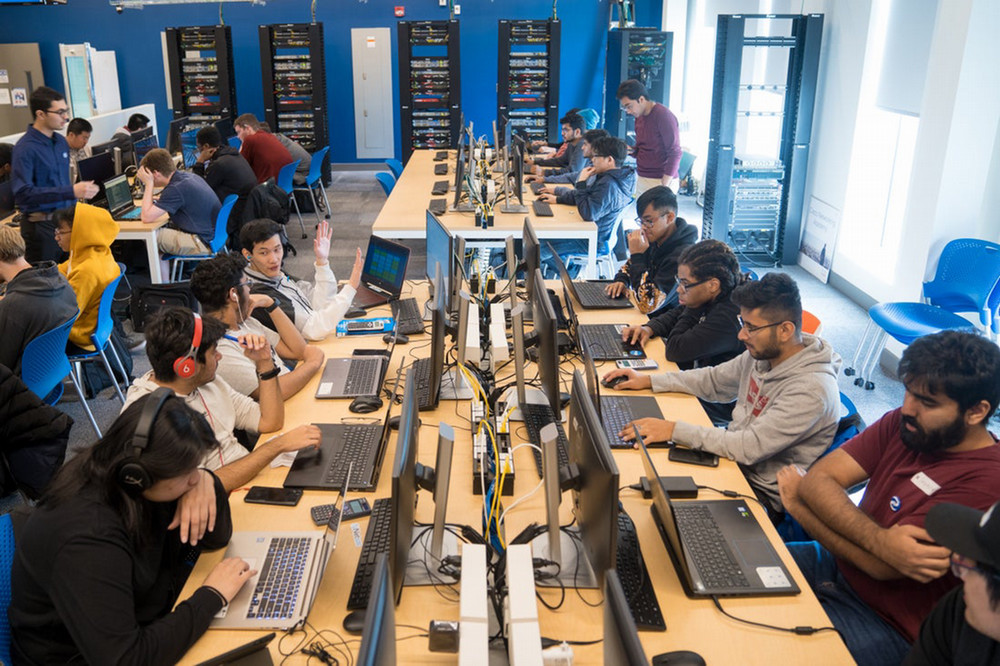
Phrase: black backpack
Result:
[150,298]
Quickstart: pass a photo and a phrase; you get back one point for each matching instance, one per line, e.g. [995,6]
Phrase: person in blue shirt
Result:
[40,175]
[189,201]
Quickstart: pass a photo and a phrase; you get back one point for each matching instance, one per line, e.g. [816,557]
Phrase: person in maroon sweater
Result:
[657,138]
[875,569]
[261,149]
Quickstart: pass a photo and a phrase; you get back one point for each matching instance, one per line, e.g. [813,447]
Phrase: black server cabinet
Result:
[643,54]
[528,77]
[293,69]
[754,201]
[430,90]
[202,78]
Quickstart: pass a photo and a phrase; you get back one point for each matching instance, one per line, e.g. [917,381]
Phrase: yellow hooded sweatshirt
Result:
[90,267]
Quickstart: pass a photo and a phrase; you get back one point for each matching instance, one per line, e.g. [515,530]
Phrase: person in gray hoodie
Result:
[784,384]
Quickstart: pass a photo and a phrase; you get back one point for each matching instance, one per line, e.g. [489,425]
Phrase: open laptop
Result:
[119,194]
[290,567]
[617,411]
[383,273]
[602,341]
[351,376]
[717,546]
[589,294]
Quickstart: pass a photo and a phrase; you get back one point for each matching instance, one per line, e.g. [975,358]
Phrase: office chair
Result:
[315,179]
[285,182]
[396,167]
[386,181]
[101,339]
[217,244]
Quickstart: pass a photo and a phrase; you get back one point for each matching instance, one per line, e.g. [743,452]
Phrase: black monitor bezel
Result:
[544,320]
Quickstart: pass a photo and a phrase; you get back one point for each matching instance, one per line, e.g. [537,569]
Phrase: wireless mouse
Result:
[354,622]
[614,381]
[364,404]
[675,658]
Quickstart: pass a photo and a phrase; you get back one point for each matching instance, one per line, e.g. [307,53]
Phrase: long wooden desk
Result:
[403,215]
[145,232]
[691,624]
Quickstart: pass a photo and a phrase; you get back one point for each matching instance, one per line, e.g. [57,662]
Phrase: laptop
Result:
[602,341]
[717,546]
[589,294]
[290,567]
[352,376]
[617,411]
[383,273]
[119,194]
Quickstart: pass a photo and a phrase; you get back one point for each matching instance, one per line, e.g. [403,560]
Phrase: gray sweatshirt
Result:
[783,416]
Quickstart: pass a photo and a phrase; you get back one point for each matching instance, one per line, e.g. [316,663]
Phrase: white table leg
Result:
[153,256]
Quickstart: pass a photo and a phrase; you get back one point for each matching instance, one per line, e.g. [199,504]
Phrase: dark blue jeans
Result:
[870,639]
[564,247]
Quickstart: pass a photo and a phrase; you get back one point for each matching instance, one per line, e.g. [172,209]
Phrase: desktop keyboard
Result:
[440,169]
[408,316]
[438,206]
[376,542]
[278,586]
[616,413]
[440,187]
[358,443]
[440,155]
[537,417]
[542,208]
[604,342]
[362,375]
[536,187]
[634,577]
[592,295]
[704,541]
[421,369]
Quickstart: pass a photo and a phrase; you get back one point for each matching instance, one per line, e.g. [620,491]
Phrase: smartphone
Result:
[278,496]
[692,457]
[355,508]
[637,364]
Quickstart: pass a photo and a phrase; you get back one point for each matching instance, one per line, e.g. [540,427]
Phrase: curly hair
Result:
[169,333]
[961,364]
[712,258]
[212,279]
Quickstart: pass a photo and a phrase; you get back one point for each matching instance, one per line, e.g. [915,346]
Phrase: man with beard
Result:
[784,385]
[876,570]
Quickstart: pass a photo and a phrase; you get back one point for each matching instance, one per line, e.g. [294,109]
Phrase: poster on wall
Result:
[819,238]
[20,97]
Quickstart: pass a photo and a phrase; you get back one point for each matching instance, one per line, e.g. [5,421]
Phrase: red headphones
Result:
[187,365]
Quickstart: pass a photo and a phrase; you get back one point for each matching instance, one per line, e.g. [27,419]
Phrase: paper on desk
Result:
[284,460]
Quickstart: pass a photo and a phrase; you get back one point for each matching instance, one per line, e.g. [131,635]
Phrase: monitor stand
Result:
[421,567]
[574,567]
[454,386]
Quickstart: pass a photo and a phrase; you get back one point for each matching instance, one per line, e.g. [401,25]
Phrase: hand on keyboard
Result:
[229,576]
[547,197]
[651,430]
[298,438]
[636,335]
[633,380]
[616,289]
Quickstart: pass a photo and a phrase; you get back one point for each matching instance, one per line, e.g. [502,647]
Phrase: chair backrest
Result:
[811,323]
[386,181]
[44,363]
[687,161]
[286,174]
[316,165]
[967,272]
[396,167]
[104,320]
[222,223]
[6,564]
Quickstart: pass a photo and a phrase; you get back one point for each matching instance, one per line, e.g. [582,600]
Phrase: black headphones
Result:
[131,474]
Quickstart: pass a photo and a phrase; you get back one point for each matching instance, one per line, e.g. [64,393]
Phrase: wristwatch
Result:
[272,306]
[270,374]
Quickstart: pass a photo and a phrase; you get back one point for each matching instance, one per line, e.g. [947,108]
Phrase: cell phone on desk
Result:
[692,457]
[276,496]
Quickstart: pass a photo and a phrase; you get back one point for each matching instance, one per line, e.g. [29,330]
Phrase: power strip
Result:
[482,449]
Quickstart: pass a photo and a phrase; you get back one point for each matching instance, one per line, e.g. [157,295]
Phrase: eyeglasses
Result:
[685,284]
[751,329]
[63,232]
[60,112]
[961,564]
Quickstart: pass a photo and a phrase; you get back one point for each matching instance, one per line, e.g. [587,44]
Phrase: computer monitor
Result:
[404,486]
[141,134]
[121,150]
[621,637]
[460,172]
[510,252]
[174,135]
[97,168]
[225,127]
[439,253]
[143,146]
[378,635]
[515,157]
[544,318]
[531,253]
[189,147]
[438,334]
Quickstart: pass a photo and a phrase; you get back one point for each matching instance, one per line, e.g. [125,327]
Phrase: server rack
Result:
[430,91]
[528,77]
[202,79]
[753,193]
[643,54]
[293,67]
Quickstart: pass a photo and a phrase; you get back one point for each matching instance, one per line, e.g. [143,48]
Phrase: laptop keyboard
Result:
[277,591]
[706,544]
[133,214]
[421,370]
[542,208]
[634,577]
[537,417]
[591,295]
[616,413]
[408,317]
[604,342]
[362,375]
[376,542]
[358,444]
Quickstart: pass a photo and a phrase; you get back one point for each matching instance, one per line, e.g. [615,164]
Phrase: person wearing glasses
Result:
[784,385]
[964,627]
[657,137]
[40,175]
[654,247]
[875,567]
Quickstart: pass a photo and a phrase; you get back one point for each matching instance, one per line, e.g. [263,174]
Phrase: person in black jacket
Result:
[654,248]
[223,168]
[702,330]
[99,563]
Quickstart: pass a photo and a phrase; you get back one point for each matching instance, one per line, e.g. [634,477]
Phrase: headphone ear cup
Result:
[185,367]
[133,476]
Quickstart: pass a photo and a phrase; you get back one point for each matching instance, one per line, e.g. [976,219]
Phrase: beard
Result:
[931,441]
[765,353]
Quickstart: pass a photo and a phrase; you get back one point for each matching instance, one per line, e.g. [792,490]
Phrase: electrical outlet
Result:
[442,3]
[458,9]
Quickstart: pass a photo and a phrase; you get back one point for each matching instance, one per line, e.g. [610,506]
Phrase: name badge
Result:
[925,483]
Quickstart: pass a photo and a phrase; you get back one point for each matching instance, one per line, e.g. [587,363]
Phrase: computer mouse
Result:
[354,622]
[564,400]
[354,312]
[400,338]
[614,381]
[394,423]
[364,404]
[675,658]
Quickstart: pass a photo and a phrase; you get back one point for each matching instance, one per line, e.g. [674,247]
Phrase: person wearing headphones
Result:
[100,561]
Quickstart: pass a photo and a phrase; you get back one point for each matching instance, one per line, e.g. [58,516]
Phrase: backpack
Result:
[151,298]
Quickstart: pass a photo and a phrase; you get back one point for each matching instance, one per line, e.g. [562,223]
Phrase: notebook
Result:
[383,273]
[602,341]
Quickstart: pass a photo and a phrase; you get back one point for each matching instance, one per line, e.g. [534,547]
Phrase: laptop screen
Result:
[660,500]
[118,192]
[189,148]
[385,265]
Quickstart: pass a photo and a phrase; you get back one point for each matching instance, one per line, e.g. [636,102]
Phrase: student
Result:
[601,200]
[182,350]
[556,177]
[261,149]
[315,309]
[224,293]
[186,198]
[657,138]
[570,160]
[654,247]
[99,562]
[784,385]
[222,166]
[876,570]
[78,137]
[136,122]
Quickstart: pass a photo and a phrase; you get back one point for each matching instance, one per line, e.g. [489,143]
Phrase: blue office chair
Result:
[101,338]
[234,142]
[285,182]
[6,564]
[218,241]
[315,180]
[396,167]
[684,170]
[386,181]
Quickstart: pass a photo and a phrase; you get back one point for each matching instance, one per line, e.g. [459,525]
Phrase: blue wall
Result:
[135,37]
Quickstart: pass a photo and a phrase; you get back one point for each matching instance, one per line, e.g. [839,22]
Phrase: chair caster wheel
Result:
[859,381]
[849,372]
[869,386]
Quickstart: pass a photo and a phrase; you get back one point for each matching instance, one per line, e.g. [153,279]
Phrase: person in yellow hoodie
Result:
[86,232]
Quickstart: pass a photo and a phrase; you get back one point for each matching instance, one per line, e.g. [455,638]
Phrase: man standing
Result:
[657,137]
[186,198]
[261,149]
[875,569]
[40,175]
[78,136]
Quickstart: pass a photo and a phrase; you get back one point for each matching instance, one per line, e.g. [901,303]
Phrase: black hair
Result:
[610,146]
[776,295]
[590,136]
[79,126]
[41,99]
[574,120]
[208,136]
[712,258]
[66,215]
[992,576]
[176,446]
[136,122]
[662,198]
[258,231]
[168,338]
[6,153]
[632,89]
[212,279]
[962,365]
